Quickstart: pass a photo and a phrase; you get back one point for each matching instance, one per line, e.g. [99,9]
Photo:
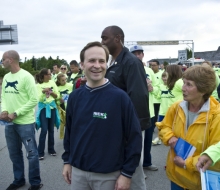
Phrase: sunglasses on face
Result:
[63,68]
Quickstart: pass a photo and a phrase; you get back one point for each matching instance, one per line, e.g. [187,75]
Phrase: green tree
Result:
[3,71]
[165,63]
[189,53]
[28,67]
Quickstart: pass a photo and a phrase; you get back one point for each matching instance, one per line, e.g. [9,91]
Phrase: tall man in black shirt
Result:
[126,71]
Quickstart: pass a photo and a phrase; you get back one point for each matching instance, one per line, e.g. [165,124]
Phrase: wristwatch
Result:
[15,114]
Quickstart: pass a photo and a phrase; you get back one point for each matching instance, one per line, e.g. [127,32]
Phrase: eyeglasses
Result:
[154,65]
[63,68]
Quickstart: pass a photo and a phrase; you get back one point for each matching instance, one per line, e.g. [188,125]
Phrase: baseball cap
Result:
[136,48]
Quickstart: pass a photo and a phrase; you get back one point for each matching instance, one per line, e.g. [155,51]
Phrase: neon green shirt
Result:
[150,75]
[215,93]
[42,96]
[164,96]
[66,89]
[176,93]
[54,77]
[158,76]
[73,76]
[19,94]
[213,152]
[217,70]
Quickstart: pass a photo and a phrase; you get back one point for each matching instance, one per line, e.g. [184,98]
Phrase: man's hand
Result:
[11,117]
[122,183]
[204,162]
[4,116]
[179,161]
[172,142]
[67,171]
[149,85]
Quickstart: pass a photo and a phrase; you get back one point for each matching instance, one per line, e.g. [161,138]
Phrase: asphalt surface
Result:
[51,167]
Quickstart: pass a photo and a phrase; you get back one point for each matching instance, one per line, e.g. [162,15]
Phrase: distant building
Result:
[213,56]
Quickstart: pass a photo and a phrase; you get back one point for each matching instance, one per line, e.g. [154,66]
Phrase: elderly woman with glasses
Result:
[196,120]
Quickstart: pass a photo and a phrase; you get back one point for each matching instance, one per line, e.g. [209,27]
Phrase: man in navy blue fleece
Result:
[103,135]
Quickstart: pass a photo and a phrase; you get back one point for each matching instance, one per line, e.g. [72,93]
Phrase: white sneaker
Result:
[156,141]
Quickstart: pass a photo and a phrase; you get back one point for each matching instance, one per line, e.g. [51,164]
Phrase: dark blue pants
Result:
[156,112]
[47,124]
[147,144]
[174,186]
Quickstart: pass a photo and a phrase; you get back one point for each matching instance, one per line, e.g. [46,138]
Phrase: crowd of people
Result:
[107,109]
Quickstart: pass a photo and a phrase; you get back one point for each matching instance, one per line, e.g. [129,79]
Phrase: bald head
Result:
[13,54]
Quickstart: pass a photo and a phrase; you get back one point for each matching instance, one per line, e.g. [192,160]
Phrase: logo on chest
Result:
[100,115]
[11,84]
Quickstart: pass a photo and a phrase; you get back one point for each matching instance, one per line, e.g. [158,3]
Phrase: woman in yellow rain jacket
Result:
[196,120]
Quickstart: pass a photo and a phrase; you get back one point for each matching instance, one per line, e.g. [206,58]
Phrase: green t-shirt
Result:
[217,70]
[150,75]
[176,93]
[73,76]
[54,77]
[215,93]
[42,96]
[66,89]
[213,152]
[158,76]
[19,94]
[164,96]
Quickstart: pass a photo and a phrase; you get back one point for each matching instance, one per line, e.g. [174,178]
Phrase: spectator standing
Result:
[56,71]
[64,89]
[152,88]
[47,113]
[19,87]
[103,140]
[196,120]
[76,72]
[126,71]
[163,94]
[155,67]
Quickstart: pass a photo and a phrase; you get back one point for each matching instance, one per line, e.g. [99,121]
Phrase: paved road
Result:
[51,168]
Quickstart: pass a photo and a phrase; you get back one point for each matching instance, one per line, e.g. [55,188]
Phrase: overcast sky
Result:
[63,27]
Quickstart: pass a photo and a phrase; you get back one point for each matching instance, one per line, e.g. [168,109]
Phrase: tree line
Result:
[34,65]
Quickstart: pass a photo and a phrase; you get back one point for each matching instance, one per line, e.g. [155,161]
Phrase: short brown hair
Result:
[93,44]
[204,78]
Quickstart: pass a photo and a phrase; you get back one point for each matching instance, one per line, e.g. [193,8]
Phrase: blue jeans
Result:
[16,135]
[47,124]
[147,144]
[174,186]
